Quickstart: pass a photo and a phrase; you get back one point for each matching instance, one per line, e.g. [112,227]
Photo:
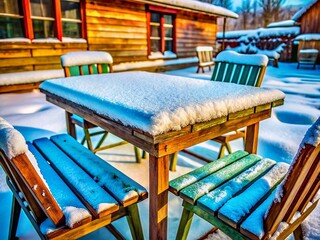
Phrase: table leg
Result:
[158,198]
[71,128]
[251,145]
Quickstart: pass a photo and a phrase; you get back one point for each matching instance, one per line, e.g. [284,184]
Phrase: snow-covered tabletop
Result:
[157,103]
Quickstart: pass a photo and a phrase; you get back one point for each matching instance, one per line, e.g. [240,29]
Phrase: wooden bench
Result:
[248,197]
[65,190]
[205,56]
[308,57]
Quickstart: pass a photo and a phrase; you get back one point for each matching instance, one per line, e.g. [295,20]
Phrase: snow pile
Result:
[133,98]
[85,58]
[249,59]
[29,77]
[285,23]
[204,48]
[195,6]
[309,51]
[11,141]
[236,34]
[308,37]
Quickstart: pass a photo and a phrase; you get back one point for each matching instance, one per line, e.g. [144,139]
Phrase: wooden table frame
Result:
[161,146]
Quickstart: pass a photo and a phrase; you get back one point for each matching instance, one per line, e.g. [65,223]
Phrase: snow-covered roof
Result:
[192,5]
[85,58]
[285,23]
[308,37]
[303,10]
[234,57]
[158,103]
[262,33]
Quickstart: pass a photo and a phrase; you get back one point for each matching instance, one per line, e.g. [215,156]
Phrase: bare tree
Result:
[271,10]
[245,12]
[223,3]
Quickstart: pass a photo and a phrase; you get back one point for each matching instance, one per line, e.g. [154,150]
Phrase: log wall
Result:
[310,20]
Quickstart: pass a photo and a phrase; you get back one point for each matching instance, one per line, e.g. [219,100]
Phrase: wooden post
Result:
[71,128]
[223,34]
[251,145]
[159,185]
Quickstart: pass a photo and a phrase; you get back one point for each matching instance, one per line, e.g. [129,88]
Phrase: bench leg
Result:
[184,225]
[15,214]
[137,154]
[71,127]
[198,69]
[173,161]
[221,152]
[88,139]
[134,222]
[144,154]
[102,140]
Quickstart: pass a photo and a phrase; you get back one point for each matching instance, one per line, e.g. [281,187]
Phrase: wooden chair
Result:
[84,63]
[65,190]
[205,56]
[308,57]
[232,67]
[248,197]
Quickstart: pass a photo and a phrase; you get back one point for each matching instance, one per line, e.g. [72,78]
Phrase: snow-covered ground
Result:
[279,139]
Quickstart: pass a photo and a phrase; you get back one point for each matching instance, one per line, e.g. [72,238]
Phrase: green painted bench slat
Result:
[215,71]
[235,78]
[221,72]
[185,180]
[193,192]
[229,72]
[246,72]
[77,179]
[104,174]
[238,208]
[252,79]
[219,196]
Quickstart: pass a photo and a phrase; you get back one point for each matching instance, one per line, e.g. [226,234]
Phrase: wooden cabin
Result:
[309,20]
[33,34]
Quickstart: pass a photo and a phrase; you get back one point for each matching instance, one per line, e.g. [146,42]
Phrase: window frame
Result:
[161,11]
[57,19]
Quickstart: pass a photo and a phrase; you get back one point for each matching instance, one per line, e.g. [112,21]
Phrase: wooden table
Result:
[163,114]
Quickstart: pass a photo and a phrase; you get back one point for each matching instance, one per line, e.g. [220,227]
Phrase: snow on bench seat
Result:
[26,80]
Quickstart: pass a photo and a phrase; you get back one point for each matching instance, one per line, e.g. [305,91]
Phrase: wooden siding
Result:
[310,20]
[18,57]
[119,27]
[194,30]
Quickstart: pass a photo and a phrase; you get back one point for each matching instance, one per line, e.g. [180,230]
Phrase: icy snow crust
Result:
[234,57]
[285,23]
[308,37]
[85,58]
[158,103]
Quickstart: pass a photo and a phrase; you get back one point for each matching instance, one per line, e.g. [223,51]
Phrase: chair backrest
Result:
[204,54]
[308,55]
[245,69]
[301,183]
[22,169]
[86,62]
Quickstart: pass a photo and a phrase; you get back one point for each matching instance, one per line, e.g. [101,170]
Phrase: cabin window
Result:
[71,18]
[43,19]
[161,40]
[11,19]
[38,19]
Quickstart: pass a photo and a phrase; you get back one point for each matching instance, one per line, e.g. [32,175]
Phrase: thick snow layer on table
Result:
[239,206]
[234,57]
[285,23]
[308,37]
[29,77]
[196,6]
[71,206]
[11,141]
[158,103]
[85,58]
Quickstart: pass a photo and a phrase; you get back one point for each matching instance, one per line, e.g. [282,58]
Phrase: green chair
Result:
[250,197]
[85,63]
[232,67]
